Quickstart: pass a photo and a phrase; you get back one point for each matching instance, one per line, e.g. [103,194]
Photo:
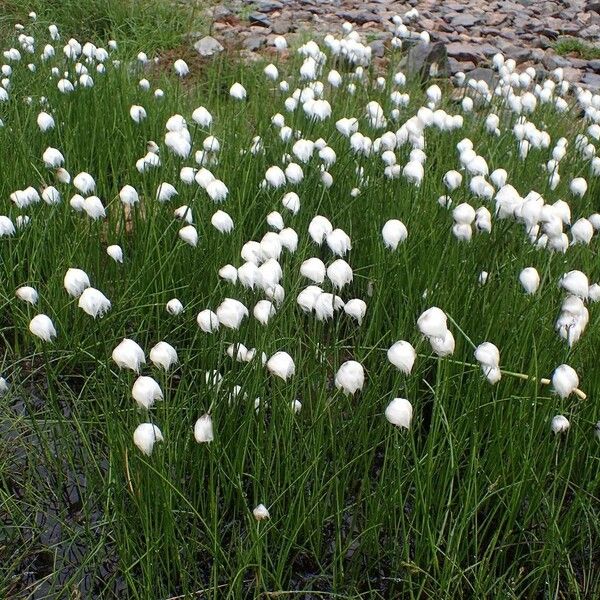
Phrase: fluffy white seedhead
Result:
[231,313]
[399,412]
[27,294]
[129,355]
[208,321]
[402,355]
[93,302]
[564,380]
[41,326]
[203,430]
[339,273]
[313,269]
[75,282]
[164,355]
[307,297]
[282,365]
[222,222]
[432,323]
[174,307]
[559,424]
[128,195]
[530,280]
[394,232]
[350,377]
[145,436]
[443,345]
[487,354]
[238,91]
[261,512]
[575,283]
[338,241]
[146,391]
[326,304]
[189,235]
[319,228]
[263,311]
[115,252]
[356,308]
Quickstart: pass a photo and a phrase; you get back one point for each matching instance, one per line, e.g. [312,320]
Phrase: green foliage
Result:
[578,47]
[477,500]
[149,25]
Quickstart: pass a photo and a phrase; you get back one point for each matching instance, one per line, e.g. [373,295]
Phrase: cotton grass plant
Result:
[336,401]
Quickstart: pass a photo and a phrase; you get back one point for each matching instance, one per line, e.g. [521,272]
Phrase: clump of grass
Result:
[579,48]
[149,25]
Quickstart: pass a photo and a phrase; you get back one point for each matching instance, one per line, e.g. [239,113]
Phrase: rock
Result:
[259,19]
[593,7]
[221,12]
[489,50]
[282,26]
[464,51]
[545,43]
[360,17]
[594,65]
[454,6]
[428,60]
[457,67]
[208,46]
[266,6]
[574,75]
[377,48]
[464,20]
[568,28]
[537,54]
[517,53]
[591,32]
[487,75]
[495,19]
[254,43]
[549,33]
[578,63]
[553,61]
[592,80]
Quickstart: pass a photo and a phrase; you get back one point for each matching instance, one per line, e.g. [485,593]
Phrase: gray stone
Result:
[254,43]
[377,48]
[464,20]
[457,67]
[495,19]
[221,12]
[427,60]
[591,80]
[593,7]
[549,33]
[259,19]
[360,17]
[553,61]
[481,73]
[208,46]
[594,65]
[267,6]
[537,54]
[591,32]
[282,26]
[519,54]
[573,75]
[568,28]
[545,43]
[465,51]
